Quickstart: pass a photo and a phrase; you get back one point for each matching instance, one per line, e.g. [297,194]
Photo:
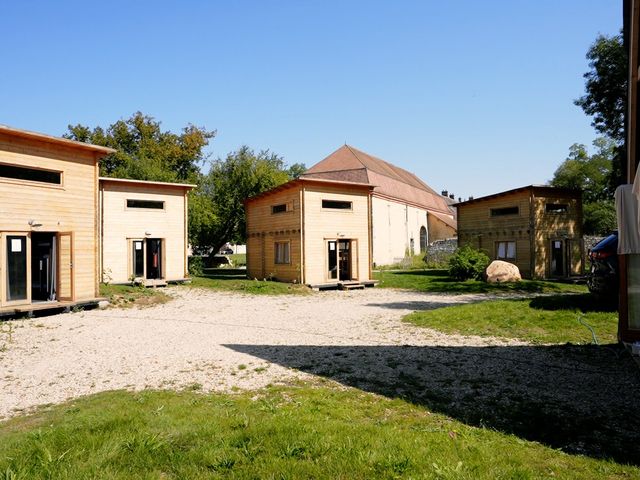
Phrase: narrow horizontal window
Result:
[337,204]
[30,174]
[152,204]
[279,208]
[557,208]
[500,212]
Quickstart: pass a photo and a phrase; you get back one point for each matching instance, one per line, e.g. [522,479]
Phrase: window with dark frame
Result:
[506,250]
[556,208]
[501,212]
[16,172]
[279,208]
[281,250]
[337,204]
[149,204]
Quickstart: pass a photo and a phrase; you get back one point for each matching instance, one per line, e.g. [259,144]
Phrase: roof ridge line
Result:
[366,170]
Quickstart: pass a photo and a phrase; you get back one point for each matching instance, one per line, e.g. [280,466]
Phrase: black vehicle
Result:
[603,277]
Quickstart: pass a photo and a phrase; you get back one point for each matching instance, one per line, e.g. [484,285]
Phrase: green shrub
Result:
[196,265]
[467,262]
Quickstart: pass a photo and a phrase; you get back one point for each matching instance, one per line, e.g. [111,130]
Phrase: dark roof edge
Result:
[534,188]
[301,181]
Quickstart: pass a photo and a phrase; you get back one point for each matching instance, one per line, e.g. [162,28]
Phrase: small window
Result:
[557,208]
[152,204]
[337,204]
[282,252]
[279,208]
[501,212]
[506,250]
[30,174]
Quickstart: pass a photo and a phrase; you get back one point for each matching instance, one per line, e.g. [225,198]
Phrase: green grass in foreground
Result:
[130,296]
[275,433]
[239,283]
[552,319]
[438,281]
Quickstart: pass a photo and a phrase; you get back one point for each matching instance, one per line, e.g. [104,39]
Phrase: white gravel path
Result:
[201,339]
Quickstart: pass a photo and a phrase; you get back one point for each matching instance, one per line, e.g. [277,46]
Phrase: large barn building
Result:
[407,214]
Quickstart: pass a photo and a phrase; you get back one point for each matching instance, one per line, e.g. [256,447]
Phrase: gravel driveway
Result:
[576,397]
[186,341]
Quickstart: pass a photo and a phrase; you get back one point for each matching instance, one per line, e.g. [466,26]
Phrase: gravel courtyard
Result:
[218,341]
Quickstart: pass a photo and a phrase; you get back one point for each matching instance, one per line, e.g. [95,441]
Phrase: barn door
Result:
[65,267]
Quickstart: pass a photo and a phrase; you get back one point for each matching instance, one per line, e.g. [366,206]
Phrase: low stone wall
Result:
[439,252]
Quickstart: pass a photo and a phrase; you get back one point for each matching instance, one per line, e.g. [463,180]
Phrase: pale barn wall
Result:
[70,207]
[394,225]
[121,224]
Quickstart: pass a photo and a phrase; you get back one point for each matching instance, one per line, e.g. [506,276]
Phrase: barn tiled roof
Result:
[350,164]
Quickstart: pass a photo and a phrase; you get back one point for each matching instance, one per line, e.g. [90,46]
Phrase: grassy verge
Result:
[239,283]
[438,281]
[277,433]
[133,296]
[552,319]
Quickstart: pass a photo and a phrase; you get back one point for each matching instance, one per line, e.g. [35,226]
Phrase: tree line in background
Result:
[216,209]
[598,174]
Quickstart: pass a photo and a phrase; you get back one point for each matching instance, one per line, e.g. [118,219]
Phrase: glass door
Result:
[332,260]
[16,268]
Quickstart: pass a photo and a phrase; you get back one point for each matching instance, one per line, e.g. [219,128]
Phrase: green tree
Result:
[591,174]
[145,151]
[242,174]
[606,96]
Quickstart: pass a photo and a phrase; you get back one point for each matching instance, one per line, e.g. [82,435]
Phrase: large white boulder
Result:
[500,272]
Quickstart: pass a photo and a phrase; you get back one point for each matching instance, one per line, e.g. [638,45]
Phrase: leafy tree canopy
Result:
[606,86]
[591,174]
[220,216]
[145,151]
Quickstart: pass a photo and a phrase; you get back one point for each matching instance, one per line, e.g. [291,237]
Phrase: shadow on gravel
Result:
[414,305]
[582,399]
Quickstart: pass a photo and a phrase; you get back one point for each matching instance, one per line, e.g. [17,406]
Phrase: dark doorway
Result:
[423,239]
[43,266]
[557,258]
[154,258]
[344,257]
[138,258]
[332,259]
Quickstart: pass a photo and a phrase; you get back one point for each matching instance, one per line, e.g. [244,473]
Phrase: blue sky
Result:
[473,97]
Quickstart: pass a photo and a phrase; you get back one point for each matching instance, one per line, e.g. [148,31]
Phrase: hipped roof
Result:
[352,165]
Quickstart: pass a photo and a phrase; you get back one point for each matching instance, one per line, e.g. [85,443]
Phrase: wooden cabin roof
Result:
[350,164]
[147,182]
[42,137]
[538,190]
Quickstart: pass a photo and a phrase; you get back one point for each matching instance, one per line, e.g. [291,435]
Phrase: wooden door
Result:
[355,274]
[65,275]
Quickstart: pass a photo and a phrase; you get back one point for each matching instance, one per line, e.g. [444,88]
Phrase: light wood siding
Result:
[121,224]
[67,208]
[476,227]
[558,226]
[533,229]
[264,228]
[438,230]
[322,224]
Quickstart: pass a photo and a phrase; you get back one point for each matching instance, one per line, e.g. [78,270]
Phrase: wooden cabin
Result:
[311,231]
[144,233]
[48,221]
[407,214]
[537,228]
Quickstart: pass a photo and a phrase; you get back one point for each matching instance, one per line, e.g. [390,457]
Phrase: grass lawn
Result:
[275,433]
[236,281]
[438,281]
[548,319]
[130,296]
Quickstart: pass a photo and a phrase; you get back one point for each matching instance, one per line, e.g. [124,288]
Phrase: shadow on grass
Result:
[585,302]
[582,399]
